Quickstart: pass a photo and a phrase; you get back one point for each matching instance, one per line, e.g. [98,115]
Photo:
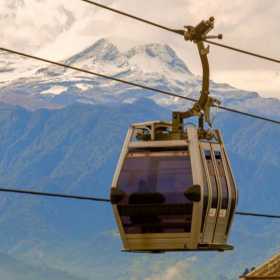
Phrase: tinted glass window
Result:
[154,184]
[223,179]
[212,175]
[168,173]
[233,193]
[205,198]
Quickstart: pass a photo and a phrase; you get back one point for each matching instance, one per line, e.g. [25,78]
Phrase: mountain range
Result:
[28,84]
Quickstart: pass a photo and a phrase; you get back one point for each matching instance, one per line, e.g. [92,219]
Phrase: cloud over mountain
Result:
[59,29]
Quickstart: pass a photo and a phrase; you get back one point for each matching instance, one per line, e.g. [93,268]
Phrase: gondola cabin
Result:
[173,192]
[173,189]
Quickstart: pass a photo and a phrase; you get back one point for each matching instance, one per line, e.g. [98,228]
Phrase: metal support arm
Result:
[201,108]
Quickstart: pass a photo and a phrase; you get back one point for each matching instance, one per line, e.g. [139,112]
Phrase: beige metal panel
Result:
[122,157]
[229,165]
[182,235]
[159,144]
[114,185]
[231,190]
[140,154]
[211,214]
[159,244]
[234,190]
[197,179]
[120,227]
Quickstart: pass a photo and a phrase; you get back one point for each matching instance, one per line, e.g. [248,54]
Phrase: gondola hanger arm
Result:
[201,108]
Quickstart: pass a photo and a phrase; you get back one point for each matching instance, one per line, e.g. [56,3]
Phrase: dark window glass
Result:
[212,179]
[223,179]
[205,198]
[233,193]
[154,184]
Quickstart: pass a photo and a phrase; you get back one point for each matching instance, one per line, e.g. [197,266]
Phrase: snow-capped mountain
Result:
[13,67]
[154,65]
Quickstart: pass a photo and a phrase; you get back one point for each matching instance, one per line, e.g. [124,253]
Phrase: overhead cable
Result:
[133,17]
[243,51]
[257,215]
[106,200]
[58,195]
[180,32]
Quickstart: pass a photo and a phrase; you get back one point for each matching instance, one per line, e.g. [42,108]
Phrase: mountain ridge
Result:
[155,65]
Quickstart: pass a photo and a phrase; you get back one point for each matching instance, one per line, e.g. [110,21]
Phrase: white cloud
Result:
[60,28]
[259,81]
[176,271]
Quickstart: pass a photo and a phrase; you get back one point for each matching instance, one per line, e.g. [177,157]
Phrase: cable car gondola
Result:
[173,188]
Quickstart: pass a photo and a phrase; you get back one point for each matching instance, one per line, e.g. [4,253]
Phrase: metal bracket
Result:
[202,107]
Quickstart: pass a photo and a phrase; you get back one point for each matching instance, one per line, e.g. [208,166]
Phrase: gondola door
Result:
[218,157]
[228,192]
[221,193]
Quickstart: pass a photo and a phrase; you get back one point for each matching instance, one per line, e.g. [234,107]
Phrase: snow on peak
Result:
[101,51]
[102,57]
[154,65]
[157,55]
[55,90]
